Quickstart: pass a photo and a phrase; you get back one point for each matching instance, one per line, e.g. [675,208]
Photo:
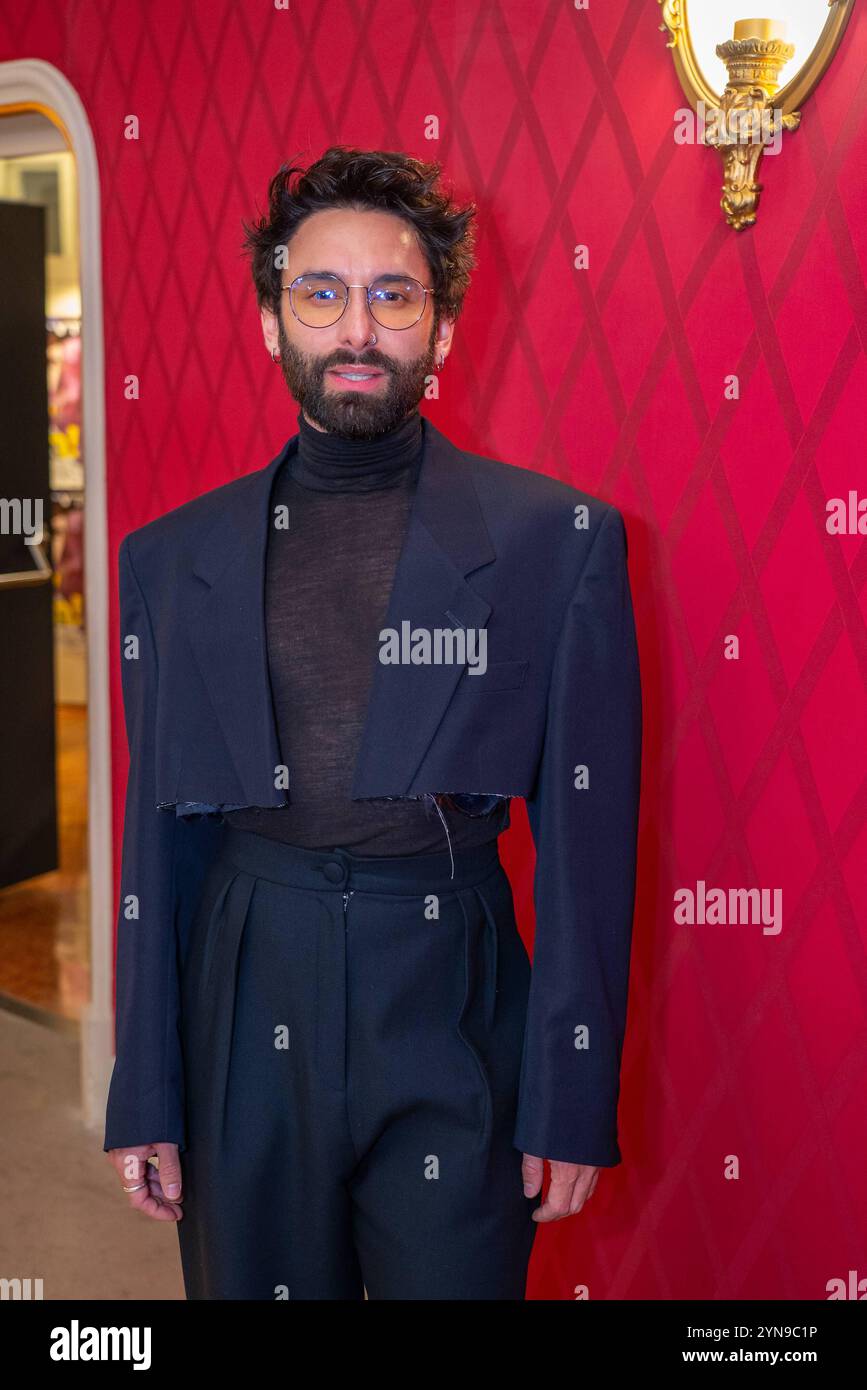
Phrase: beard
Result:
[355,414]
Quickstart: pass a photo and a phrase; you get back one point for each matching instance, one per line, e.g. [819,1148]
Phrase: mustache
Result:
[359,365]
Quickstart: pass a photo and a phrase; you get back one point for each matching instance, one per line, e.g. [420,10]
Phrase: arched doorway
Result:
[32,85]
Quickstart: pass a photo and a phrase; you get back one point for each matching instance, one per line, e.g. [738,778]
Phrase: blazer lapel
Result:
[228,634]
[446,539]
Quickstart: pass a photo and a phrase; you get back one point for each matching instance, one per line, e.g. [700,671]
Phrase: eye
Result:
[385,296]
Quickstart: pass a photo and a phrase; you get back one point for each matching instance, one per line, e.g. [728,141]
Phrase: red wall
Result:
[559,123]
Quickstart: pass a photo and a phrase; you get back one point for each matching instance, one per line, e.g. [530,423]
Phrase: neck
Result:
[328,462]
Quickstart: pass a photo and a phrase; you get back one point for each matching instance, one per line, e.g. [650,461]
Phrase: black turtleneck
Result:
[330,572]
[330,463]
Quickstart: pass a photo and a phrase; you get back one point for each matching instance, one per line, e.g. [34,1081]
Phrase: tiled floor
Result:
[63,1217]
[44,937]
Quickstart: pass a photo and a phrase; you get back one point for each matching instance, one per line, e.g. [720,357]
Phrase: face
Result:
[357,246]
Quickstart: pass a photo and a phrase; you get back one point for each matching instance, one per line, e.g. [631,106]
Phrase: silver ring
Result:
[137,1187]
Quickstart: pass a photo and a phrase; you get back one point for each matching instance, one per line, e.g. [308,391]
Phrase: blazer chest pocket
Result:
[499,675]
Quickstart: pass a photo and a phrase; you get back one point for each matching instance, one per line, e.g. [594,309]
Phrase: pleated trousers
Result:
[352,1030]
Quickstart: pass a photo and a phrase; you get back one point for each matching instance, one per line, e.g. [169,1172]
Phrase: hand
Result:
[571,1185]
[162,1195]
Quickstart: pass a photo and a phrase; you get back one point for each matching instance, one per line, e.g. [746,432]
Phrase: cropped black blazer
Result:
[556,719]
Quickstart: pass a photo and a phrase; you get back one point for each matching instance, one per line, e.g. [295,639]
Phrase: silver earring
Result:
[275,354]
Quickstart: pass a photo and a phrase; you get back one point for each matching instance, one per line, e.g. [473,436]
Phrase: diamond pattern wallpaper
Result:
[559,122]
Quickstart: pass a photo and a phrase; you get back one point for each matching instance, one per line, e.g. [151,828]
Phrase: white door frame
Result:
[38,85]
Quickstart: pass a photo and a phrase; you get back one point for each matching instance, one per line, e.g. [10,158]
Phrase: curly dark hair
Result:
[384,180]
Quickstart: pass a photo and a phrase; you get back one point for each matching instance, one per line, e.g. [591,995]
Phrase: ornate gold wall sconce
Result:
[746,90]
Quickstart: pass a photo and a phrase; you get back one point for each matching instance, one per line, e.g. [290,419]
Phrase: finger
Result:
[151,1199]
[170,1171]
[131,1166]
[584,1190]
[532,1174]
[579,1197]
[156,1207]
[558,1199]
[135,1171]
[156,1188]
[551,1211]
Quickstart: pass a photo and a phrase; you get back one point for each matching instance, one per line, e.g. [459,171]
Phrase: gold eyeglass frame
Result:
[330,275]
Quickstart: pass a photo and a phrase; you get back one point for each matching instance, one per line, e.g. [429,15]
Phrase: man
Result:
[337,672]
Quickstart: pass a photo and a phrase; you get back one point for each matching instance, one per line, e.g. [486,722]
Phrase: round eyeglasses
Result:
[395,301]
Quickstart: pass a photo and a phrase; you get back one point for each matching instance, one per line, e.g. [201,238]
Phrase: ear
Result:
[269,328]
[445,333]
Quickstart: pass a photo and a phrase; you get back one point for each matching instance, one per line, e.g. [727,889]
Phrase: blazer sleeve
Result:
[145,1099]
[584,883]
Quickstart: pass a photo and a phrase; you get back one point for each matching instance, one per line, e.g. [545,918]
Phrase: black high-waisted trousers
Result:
[352,1031]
